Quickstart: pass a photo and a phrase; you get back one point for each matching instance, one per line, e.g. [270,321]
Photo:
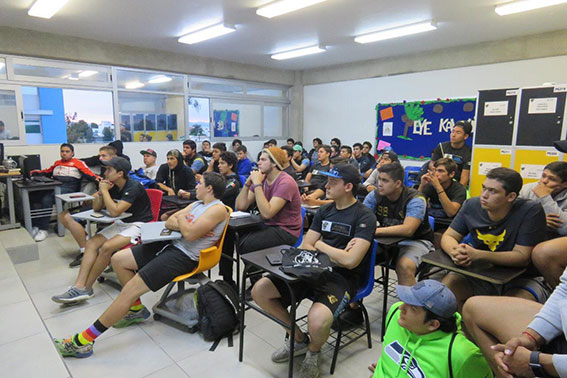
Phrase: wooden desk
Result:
[257,260]
[10,177]
[498,275]
[25,188]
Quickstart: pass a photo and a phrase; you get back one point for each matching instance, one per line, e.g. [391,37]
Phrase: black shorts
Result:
[159,263]
[334,293]
[556,346]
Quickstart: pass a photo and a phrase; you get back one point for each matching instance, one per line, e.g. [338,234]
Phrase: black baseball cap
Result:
[347,172]
[118,163]
[560,145]
[149,151]
[466,125]
[391,154]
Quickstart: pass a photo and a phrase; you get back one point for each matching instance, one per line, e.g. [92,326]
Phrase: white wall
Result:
[347,109]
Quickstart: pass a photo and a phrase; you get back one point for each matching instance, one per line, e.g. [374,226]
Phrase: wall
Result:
[346,109]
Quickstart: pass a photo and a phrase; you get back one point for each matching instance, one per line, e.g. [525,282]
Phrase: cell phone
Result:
[274,258]
[97,215]
[77,196]
[165,232]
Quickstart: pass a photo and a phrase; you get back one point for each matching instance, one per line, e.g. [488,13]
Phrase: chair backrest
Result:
[411,174]
[369,286]
[300,239]
[432,222]
[155,199]
[209,257]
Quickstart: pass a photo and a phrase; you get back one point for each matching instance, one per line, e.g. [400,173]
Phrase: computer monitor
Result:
[29,163]
[1,153]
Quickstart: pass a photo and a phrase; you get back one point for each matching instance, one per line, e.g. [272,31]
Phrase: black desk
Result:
[25,187]
[304,185]
[258,260]
[498,275]
[180,202]
[237,225]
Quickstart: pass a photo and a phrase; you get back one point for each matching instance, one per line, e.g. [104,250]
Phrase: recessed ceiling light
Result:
[46,8]
[396,32]
[299,52]
[280,7]
[159,79]
[133,85]
[207,33]
[87,73]
[524,6]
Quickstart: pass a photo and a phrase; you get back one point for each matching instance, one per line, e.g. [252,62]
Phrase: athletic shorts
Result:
[534,285]
[334,293]
[159,263]
[556,346]
[128,230]
[415,249]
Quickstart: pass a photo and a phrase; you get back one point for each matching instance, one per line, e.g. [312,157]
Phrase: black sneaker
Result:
[350,318]
[77,261]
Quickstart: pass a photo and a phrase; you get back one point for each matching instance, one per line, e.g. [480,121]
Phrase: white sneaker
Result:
[34,232]
[40,236]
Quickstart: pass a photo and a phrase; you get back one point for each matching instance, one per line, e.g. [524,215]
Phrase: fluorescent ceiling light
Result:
[299,52]
[73,77]
[280,7]
[87,73]
[46,8]
[524,6]
[396,32]
[207,33]
[159,79]
[133,85]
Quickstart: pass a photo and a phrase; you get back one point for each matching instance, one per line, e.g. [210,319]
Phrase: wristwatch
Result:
[536,367]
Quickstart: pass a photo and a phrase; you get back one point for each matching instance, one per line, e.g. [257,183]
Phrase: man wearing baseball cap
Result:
[299,162]
[423,337]
[150,168]
[117,194]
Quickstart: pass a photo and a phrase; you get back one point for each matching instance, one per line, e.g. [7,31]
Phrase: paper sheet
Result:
[495,108]
[485,167]
[531,171]
[388,129]
[542,105]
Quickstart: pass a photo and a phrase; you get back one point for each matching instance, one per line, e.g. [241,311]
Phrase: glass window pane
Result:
[273,121]
[147,81]
[2,68]
[154,116]
[9,127]
[58,115]
[199,123]
[259,91]
[28,69]
[207,86]
[232,120]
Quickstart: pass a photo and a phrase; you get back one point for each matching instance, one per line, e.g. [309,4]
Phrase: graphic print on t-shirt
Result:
[492,241]
[396,352]
[336,227]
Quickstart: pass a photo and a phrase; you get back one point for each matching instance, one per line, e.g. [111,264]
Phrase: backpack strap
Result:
[227,295]
[391,316]
[450,354]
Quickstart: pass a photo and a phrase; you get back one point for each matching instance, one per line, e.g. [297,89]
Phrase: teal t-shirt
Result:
[406,354]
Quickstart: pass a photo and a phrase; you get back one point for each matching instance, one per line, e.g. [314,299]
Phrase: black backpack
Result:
[219,311]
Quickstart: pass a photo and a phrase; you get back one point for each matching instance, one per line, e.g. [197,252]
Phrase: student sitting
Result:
[551,192]
[174,176]
[313,155]
[206,151]
[343,230]
[244,165]
[530,336]
[457,150]
[387,157]
[424,339]
[365,162]
[288,167]
[152,266]
[235,144]
[498,221]
[192,158]
[214,164]
[346,152]
[300,164]
[366,151]
[444,194]
[131,197]
[150,168]
[401,211]
[323,165]
[310,200]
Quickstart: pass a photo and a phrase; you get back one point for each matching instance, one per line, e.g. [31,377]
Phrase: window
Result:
[59,115]
[2,68]
[56,72]
[147,81]
[199,126]
[265,91]
[150,117]
[10,119]
[273,121]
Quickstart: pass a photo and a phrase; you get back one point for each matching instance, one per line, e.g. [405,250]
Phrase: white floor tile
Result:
[172,371]
[18,320]
[13,290]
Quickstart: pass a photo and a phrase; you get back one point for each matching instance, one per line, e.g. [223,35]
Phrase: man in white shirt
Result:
[150,168]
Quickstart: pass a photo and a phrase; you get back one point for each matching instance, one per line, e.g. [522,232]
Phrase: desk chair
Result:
[169,306]
[411,174]
[362,293]
[300,239]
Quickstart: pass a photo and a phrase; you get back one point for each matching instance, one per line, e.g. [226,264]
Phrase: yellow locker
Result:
[484,159]
[530,163]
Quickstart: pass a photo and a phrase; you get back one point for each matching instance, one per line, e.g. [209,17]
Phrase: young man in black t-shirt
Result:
[504,230]
[445,195]
[131,197]
[343,230]
[323,165]
[457,150]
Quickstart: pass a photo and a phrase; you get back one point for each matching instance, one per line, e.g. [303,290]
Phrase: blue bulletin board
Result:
[226,123]
[414,129]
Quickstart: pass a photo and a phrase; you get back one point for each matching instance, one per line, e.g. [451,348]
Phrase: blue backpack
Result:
[139,176]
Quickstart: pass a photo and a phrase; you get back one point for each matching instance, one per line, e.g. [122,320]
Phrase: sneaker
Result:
[282,354]
[34,231]
[40,236]
[77,261]
[67,348]
[310,366]
[73,295]
[133,317]
[350,318]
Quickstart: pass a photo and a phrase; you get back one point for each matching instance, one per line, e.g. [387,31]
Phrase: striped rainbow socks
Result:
[89,335]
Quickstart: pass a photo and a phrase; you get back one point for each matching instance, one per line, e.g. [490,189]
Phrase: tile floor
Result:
[29,320]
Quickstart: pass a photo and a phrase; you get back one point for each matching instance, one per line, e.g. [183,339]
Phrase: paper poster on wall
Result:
[495,108]
[226,123]
[542,105]
[388,129]
[531,171]
[505,151]
[485,167]
[552,153]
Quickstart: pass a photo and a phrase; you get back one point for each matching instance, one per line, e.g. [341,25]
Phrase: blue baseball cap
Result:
[430,294]
[347,172]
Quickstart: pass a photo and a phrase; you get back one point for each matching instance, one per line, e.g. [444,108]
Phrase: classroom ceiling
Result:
[334,23]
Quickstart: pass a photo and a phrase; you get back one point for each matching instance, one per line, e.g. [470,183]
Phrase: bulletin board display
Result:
[226,123]
[414,129]
[485,159]
[530,163]
[495,117]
